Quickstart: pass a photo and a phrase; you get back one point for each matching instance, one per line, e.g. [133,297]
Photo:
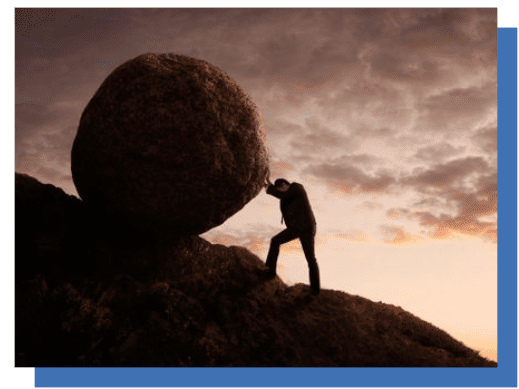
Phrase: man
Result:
[300,222]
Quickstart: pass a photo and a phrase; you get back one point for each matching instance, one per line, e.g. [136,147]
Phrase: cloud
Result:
[252,243]
[486,139]
[32,118]
[43,149]
[450,28]
[416,46]
[381,80]
[353,236]
[472,205]
[277,169]
[365,105]
[397,213]
[319,138]
[304,49]
[446,227]
[444,176]
[438,152]
[398,63]
[43,140]
[306,55]
[344,177]
[465,107]
[369,206]
[397,235]
[418,70]
[431,202]
[256,237]
[481,202]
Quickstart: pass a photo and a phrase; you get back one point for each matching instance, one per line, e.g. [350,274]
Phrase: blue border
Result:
[505,375]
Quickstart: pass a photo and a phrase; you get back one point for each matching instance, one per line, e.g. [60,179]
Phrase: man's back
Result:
[295,207]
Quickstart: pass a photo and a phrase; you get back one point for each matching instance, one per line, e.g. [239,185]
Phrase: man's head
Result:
[281,184]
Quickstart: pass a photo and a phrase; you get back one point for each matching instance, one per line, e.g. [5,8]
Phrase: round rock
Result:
[169,143]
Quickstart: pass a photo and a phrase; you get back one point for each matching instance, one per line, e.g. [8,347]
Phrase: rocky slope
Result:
[90,293]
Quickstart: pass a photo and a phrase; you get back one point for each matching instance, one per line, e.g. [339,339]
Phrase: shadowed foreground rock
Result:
[85,297]
[171,143]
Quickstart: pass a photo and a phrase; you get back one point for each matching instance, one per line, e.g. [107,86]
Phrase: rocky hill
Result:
[90,292]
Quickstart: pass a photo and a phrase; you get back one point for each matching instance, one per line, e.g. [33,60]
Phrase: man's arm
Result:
[271,190]
[293,190]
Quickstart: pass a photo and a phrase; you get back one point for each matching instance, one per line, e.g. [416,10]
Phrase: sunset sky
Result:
[387,117]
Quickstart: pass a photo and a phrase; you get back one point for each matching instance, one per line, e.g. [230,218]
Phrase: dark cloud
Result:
[39,129]
[448,29]
[53,34]
[289,47]
[280,135]
[393,77]
[486,139]
[28,113]
[438,152]
[366,133]
[362,95]
[460,106]
[342,175]
[377,183]
[411,45]
[462,100]
[400,64]
[444,176]
[319,138]
[405,45]
[30,118]
[281,128]
[338,172]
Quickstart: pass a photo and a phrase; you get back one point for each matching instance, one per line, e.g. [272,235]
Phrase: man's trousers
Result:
[307,241]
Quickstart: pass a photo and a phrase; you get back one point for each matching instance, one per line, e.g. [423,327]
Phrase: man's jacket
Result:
[295,207]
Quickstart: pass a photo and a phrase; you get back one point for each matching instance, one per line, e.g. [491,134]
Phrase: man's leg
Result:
[272,257]
[307,241]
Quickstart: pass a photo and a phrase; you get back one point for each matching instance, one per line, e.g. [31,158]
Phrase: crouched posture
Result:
[300,222]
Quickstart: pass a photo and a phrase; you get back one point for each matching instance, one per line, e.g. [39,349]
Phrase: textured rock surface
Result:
[169,143]
[92,300]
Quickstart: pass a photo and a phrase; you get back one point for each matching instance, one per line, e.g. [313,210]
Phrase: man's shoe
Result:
[315,292]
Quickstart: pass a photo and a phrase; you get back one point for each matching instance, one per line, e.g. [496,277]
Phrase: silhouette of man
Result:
[300,222]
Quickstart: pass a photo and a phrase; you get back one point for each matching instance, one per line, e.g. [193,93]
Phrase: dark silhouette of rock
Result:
[188,303]
[169,143]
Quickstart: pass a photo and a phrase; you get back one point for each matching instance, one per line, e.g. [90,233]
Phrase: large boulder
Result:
[169,143]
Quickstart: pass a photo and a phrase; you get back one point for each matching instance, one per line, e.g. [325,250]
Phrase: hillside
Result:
[90,292]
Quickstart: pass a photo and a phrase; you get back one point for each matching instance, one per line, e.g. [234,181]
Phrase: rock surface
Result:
[87,297]
[170,143]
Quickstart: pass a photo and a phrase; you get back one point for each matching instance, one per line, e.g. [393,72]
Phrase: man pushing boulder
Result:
[300,221]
